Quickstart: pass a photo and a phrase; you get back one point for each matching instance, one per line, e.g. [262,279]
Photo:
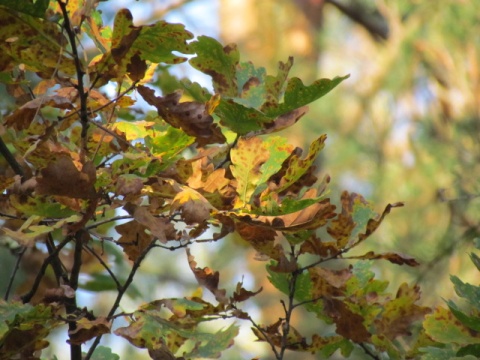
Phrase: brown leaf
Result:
[192,117]
[136,68]
[241,294]
[399,313]
[61,177]
[88,329]
[23,116]
[261,238]
[194,207]
[373,224]
[349,324]
[283,121]
[322,287]
[128,184]
[159,227]
[392,257]
[284,265]
[316,246]
[342,227]
[134,239]
[310,218]
[206,277]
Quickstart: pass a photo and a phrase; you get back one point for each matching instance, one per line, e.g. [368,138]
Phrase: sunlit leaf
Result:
[298,95]
[444,327]
[217,61]
[470,321]
[468,291]
[248,158]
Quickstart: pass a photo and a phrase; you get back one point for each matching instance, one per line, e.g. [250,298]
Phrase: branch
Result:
[14,273]
[369,352]
[290,307]
[28,296]
[11,159]
[265,335]
[373,21]
[100,260]
[80,73]
[92,112]
[121,292]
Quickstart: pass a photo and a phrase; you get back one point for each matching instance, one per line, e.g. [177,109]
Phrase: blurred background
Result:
[404,127]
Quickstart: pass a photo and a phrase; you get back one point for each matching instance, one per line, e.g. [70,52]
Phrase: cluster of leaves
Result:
[456,333]
[198,169]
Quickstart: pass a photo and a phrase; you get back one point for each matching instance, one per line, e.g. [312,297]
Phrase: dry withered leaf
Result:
[241,294]
[88,329]
[21,118]
[373,224]
[190,116]
[159,227]
[61,177]
[392,257]
[194,207]
[134,239]
[208,278]
[349,324]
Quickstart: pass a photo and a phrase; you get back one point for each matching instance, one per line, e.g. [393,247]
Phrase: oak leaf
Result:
[61,177]
[208,278]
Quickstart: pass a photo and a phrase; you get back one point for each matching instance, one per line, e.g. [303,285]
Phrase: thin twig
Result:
[288,309]
[106,221]
[104,264]
[120,294]
[14,273]
[265,335]
[11,159]
[92,112]
[28,296]
[369,352]
[56,263]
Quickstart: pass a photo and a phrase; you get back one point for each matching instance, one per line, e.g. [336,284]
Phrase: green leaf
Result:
[476,260]
[134,130]
[470,321]
[298,95]
[467,291]
[157,42]
[442,326]
[36,8]
[303,290]
[34,43]
[152,331]
[239,118]
[211,345]
[23,327]
[287,206]
[104,353]
[169,143]
[275,85]
[251,85]
[435,353]
[473,349]
[297,167]
[217,61]
[247,158]
[40,205]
